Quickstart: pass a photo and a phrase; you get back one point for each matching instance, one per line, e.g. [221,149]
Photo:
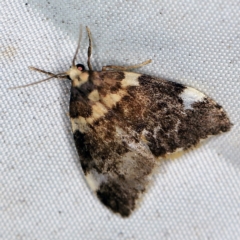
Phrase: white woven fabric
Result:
[43,194]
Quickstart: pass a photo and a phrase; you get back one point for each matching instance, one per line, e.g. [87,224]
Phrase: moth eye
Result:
[80,67]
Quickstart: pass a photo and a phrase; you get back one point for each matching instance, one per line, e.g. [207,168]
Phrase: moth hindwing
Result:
[123,122]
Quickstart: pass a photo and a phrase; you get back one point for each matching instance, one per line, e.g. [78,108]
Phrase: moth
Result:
[124,122]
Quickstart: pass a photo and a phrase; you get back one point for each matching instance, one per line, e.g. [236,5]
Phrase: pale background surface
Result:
[43,194]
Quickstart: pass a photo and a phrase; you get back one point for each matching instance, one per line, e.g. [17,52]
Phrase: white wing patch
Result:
[190,96]
[95,179]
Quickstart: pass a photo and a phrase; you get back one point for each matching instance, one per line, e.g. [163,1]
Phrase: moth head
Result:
[76,73]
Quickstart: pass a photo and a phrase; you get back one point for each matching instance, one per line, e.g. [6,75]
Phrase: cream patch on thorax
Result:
[77,77]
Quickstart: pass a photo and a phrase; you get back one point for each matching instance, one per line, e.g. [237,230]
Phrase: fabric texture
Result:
[43,194]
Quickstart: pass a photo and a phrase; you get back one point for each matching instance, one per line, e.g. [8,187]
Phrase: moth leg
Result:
[105,68]
[89,49]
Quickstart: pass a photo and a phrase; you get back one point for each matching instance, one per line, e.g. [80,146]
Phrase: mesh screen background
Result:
[43,194]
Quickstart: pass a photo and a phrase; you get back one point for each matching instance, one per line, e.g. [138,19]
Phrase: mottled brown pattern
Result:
[111,76]
[82,109]
[206,118]
[83,148]
[79,103]
[148,122]
[118,197]
[178,128]
[111,81]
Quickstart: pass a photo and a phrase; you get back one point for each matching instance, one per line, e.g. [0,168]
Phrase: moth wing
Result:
[171,116]
[117,173]
[127,121]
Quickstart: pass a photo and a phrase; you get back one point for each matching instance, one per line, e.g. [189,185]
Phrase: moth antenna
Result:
[89,48]
[78,46]
[59,75]
[48,73]
[30,84]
